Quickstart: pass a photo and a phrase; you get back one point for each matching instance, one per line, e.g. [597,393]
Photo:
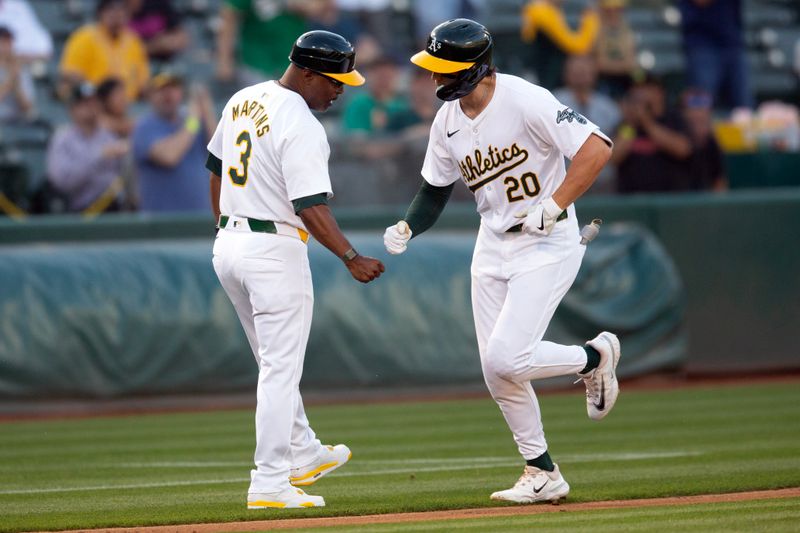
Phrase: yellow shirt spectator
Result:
[544,25]
[547,18]
[93,54]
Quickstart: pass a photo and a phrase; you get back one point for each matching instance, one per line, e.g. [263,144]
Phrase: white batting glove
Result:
[540,219]
[396,238]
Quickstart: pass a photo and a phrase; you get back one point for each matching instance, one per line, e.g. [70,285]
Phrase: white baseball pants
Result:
[268,280]
[517,283]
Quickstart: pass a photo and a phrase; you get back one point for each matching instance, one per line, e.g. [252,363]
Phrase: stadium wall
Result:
[81,315]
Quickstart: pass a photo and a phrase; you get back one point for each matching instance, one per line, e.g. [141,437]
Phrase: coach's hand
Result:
[396,238]
[364,269]
[540,219]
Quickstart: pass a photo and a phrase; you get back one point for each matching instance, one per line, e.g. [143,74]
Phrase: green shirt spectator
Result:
[262,33]
[364,113]
[375,110]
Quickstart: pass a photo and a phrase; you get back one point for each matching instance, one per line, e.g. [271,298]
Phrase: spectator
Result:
[170,146]
[429,14]
[376,19]
[713,42]
[328,17]
[580,75]
[706,164]
[370,112]
[31,40]
[84,159]
[262,33]
[545,26]
[114,108]
[651,147]
[106,49]
[417,119]
[158,26]
[615,50]
[16,84]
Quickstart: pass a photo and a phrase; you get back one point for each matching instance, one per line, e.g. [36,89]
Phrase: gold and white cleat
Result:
[329,458]
[290,498]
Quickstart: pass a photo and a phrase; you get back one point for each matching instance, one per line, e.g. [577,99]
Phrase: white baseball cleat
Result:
[602,387]
[535,485]
[329,458]
[290,498]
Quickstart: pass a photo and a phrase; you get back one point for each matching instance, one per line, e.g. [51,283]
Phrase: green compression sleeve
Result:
[426,207]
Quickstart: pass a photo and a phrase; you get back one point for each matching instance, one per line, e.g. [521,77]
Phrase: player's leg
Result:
[515,347]
[488,288]
[489,293]
[535,287]
[271,271]
[304,442]
[311,460]
[539,278]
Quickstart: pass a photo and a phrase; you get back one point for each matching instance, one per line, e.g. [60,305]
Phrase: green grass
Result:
[771,516]
[181,468]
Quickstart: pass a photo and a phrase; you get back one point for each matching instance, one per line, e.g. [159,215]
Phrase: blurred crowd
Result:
[136,117]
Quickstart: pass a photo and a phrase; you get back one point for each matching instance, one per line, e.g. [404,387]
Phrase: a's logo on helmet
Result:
[434,46]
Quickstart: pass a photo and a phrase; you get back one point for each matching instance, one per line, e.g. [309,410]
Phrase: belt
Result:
[518,227]
[262,226]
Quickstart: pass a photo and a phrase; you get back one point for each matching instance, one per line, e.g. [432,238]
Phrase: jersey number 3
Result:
[244,158]
[529,183]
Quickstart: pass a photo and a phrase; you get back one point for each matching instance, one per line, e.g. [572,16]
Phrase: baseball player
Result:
[506,139]
[269,189]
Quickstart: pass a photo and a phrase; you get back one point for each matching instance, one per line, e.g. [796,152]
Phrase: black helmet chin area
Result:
[465,83]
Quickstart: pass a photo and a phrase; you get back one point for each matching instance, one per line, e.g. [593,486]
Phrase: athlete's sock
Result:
[542,462]
[592,359]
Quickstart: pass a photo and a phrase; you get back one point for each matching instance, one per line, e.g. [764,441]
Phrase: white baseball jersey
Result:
[273,151]
[511,156]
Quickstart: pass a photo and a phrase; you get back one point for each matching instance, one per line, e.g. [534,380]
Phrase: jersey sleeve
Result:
[559,125]
[439,169]
[304,160]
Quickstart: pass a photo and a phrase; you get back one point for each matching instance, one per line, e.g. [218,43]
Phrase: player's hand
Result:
[540,219]
[396,238]
[364,269]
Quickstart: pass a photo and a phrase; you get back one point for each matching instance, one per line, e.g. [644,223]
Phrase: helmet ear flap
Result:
[467,80]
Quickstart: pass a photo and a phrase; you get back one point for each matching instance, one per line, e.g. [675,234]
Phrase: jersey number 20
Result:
[244,158]
[529,183]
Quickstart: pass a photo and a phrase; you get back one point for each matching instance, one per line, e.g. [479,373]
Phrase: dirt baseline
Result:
[293,523]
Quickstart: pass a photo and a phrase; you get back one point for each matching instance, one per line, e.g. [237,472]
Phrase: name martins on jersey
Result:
[255,111]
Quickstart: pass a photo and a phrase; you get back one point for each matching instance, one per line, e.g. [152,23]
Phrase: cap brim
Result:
[436,64]
[159,81]
[353,77]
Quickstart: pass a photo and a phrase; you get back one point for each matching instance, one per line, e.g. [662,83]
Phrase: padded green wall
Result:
[107,319]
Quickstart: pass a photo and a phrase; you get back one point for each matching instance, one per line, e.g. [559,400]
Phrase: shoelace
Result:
[524,480]
[592,391]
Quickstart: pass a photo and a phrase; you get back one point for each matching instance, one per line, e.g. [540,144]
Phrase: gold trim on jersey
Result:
[496,160]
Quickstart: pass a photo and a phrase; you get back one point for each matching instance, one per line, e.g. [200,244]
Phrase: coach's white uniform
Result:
[511,156]
[273,151]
